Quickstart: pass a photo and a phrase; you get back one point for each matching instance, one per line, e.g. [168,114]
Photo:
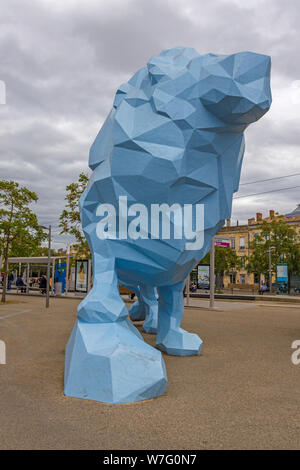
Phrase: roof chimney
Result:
[227,222]
[250,221]
[271,213]
[258,216]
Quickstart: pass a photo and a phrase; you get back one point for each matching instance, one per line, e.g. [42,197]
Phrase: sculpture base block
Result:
[111,363]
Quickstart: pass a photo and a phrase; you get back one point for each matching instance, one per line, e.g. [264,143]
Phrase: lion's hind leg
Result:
[171,338]
[146,308]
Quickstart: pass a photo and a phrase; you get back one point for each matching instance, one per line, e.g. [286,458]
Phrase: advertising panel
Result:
[81,275]
[203,277]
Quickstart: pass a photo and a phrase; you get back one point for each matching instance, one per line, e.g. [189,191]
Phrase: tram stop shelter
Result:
[28,265]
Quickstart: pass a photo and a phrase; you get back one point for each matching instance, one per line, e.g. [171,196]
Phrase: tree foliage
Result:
[283,241]
[20,234]
[226,261]
[70,222]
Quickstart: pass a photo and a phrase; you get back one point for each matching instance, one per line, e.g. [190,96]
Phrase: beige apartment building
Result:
[240,237]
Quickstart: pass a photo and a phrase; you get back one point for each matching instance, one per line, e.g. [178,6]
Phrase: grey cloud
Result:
[63,63]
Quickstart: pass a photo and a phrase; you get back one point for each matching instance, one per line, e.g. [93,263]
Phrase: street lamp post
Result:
[67,269]
[270,267]
[48,262]
[270,272]
[187,285]
[212,274]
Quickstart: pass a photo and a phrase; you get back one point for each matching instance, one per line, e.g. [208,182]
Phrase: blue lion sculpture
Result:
[170,151]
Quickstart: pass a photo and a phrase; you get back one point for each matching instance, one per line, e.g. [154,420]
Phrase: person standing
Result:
[10,279]
[43,284]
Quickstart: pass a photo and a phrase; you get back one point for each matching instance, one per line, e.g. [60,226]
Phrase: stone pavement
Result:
[242,392]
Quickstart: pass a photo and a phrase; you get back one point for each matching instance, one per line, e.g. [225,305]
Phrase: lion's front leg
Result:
[106,357]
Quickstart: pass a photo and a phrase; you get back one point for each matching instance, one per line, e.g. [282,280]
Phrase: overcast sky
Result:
[62,61]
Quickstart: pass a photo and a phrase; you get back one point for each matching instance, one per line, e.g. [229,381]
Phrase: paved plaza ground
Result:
[242,392]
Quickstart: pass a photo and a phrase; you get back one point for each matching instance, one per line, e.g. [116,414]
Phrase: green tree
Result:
[18,223]
[70,222]
[283,241]
[226,261]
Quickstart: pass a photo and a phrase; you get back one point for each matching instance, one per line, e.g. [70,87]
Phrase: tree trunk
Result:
[219,281]
[3,298]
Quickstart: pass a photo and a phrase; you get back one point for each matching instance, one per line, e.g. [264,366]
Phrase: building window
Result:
[232,243]
[242,261]
[242,243]
[232,278]
[242,278]
[256,278]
